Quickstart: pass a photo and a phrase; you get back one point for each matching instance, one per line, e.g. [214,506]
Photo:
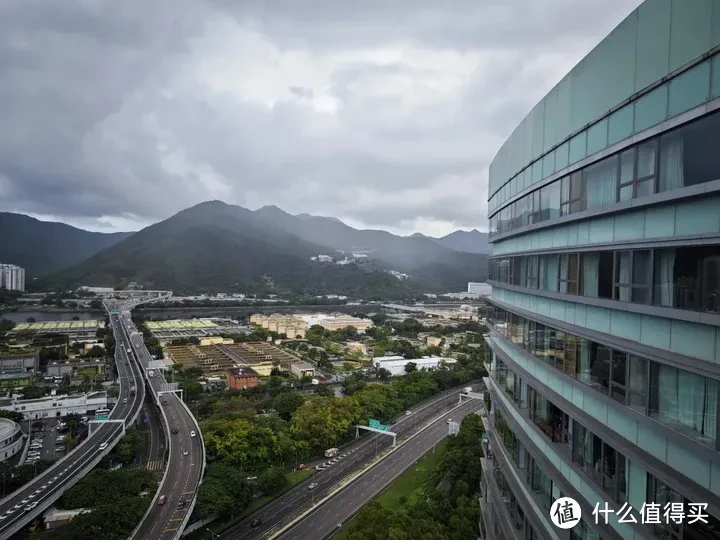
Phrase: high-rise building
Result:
[604,209]
[481,289]
[12,277]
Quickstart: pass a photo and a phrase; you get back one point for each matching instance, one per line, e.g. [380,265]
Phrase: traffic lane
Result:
[342,506]
[184,486]
[182,477]
[53,483]
[362,453]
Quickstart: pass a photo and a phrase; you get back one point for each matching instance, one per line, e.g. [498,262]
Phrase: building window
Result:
[659,492]
[570,273]
[572,196]
[548,272]
[633,276]
[637,171]
[600,461]
[685,401]
[688,278]
[600,182]
[550,201]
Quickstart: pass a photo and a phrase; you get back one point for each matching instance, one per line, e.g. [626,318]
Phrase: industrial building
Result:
[58,405]
[166,331]
[77,331]
[77,369]
[604,209]
[12,277]
[11,439]
[218,358]
[20,363]
[396,364]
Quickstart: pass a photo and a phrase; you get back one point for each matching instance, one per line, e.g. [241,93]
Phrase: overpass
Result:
[186,462]
[28,502]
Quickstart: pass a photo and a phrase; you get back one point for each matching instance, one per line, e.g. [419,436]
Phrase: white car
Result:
[193,434]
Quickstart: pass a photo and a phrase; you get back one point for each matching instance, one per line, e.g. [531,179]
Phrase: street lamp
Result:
[212,533]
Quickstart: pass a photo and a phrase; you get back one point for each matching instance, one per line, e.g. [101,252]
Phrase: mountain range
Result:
[215,247]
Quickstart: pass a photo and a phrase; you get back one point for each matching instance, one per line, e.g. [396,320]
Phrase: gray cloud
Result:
[385,113]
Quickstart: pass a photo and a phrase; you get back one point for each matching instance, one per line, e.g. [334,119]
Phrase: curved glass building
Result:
[604,209]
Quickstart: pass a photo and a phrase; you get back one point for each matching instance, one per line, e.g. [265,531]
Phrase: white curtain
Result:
[691,400]
[591,273]
[672,174]
[624,275]
[711,406]
[600,183]
[551,273]
[583,365]
[666,287]
[668,394]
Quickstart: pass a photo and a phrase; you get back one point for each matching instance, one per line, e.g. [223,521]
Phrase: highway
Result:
[51,484]
[276,512]
[183,473]
[325,520]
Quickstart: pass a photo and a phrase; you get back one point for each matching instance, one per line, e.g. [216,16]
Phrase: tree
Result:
[32,392]
[96,304]
[323,390]
[223,491]
[273,480]
[76,318]
[410,367]
[286,403]
[12,415]
[192,389]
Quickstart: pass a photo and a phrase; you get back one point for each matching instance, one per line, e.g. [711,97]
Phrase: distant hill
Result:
[42,247]
[468,241]
[216,247]
[429,261]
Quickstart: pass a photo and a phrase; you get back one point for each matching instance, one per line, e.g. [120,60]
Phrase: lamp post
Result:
[211,533]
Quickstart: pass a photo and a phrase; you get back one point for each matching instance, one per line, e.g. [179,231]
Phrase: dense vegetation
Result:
[41,247]
[214,247]
[240,434]
[115,503]
[448,508]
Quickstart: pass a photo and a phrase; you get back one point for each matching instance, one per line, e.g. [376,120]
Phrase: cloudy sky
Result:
[384,113]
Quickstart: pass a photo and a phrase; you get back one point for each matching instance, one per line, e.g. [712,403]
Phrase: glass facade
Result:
[683,157]
[685,278]
[604,208]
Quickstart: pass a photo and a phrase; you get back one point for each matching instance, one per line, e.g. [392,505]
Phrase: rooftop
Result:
[58,326]
[243,372]
[7,428]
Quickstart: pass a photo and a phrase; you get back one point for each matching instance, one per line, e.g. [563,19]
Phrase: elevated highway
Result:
[28,502]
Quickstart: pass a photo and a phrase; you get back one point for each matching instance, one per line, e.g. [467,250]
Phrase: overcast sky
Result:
[385,114]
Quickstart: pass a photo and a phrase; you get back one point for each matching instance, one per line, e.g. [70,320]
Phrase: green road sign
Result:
[102,417]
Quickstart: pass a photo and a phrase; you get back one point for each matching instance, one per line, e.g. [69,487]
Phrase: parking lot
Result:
[43,438]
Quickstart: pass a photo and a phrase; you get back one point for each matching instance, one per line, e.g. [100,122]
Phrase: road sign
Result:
[102,417]
[375,424]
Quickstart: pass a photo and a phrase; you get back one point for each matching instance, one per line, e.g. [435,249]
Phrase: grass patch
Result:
[406,487]
[218,526]
[410,484]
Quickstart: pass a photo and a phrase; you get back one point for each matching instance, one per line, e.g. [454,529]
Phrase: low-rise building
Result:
[50,406]
[11,441]
[241,377]
[302,369]
[396,364]
[20,363]
[434,341]
[216,340]
[337,321]
[77,369]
